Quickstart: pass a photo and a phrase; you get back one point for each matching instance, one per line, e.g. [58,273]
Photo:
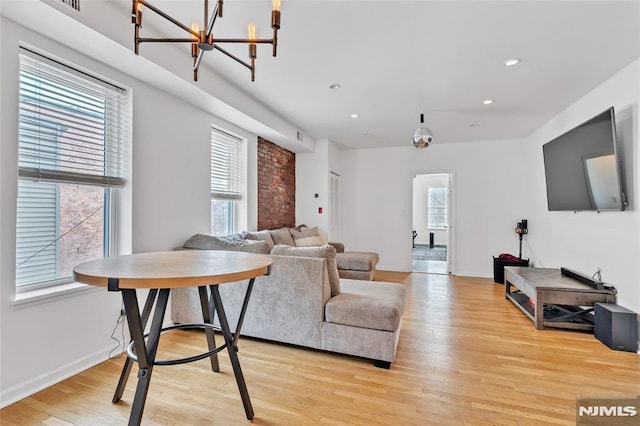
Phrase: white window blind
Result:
[71,125]
[226,166]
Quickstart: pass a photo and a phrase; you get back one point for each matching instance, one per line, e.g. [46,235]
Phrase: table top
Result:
[173,269]
[551,279]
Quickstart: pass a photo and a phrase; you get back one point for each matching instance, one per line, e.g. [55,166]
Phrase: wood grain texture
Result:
[173,269]
[466,356]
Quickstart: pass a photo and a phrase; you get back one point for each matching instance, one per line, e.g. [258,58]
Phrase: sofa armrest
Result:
[338,246]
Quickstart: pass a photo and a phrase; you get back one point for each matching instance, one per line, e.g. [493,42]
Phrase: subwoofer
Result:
[616,327]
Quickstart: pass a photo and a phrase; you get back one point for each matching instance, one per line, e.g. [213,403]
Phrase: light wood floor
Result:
[466,356]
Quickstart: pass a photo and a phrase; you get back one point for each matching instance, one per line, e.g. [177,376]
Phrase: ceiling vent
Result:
[74,4]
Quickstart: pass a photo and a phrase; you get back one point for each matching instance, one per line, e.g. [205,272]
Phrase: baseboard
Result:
[28,388]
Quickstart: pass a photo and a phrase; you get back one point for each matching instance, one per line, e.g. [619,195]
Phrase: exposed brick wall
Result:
[276,186]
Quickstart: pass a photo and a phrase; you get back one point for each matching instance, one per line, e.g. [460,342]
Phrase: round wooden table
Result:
[160,272]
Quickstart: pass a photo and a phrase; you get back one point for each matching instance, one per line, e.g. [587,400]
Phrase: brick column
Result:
[276,186]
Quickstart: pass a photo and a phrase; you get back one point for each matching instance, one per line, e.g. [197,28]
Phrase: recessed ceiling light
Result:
[487,101]
[334,86]
[354,116]
[512,61]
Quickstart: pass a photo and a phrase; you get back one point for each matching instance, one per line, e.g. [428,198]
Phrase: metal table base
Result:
[143,347]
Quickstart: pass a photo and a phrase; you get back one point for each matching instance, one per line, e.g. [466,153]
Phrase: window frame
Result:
[116,141]
[231,191]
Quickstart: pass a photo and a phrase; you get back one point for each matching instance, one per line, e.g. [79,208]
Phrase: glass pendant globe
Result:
[422,137]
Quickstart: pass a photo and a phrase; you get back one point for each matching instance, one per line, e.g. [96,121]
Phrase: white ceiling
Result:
[396,58]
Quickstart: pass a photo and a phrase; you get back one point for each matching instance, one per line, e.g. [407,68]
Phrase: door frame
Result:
[451,212]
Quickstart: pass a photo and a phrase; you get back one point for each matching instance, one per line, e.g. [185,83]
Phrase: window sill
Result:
[38,297]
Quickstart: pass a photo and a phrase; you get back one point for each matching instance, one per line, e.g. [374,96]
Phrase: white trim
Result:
[23,390]
[31,298]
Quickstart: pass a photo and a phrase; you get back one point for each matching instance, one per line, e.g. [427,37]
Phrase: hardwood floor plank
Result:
[465,356]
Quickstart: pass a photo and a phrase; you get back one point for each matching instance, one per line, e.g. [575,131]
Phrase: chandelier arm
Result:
[168,18]
[164,40]
[212,21]
[245,40]
[196,63]
[232,56]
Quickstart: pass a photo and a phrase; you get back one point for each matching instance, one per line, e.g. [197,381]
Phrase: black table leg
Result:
[232,349]
[128,363]
[146,353]
[207,315]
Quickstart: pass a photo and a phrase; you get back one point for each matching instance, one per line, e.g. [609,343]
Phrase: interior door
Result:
[450,225]
[334,207]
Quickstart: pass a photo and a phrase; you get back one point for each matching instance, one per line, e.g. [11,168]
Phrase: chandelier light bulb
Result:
[252,31]
[276,5]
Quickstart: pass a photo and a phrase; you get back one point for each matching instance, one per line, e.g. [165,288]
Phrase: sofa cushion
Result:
[357,260]
[306,237]
[367,304]
[327,252]
[264,235]
[282,236]
[209,242]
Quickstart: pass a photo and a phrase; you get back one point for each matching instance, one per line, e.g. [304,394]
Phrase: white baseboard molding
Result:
[28,388]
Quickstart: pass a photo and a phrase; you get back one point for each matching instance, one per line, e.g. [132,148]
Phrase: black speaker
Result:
[616,327]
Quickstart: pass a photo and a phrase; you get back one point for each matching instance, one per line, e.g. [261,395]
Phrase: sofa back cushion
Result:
[282,236]
[209,242]
[328,252]
[264,235]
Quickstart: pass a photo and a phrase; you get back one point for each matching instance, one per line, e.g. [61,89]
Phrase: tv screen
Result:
[581,167]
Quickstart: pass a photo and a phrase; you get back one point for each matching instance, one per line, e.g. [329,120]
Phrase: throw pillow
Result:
[327,252]
[323,236]
[209,242]
[260,236]
[306,237]
[282,236]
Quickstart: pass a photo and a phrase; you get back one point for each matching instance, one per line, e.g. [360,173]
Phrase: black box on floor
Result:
[616,327]
[499,264]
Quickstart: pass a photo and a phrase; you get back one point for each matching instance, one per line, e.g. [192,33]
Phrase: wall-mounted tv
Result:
[582,167]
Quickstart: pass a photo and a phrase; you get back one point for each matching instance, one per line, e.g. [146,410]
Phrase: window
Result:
[226,168]
[437,207]
[71,143]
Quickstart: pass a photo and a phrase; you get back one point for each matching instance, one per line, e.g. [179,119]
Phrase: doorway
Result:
[432,217]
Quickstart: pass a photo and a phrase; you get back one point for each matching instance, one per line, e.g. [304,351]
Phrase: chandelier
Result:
[422,137]
[202,39]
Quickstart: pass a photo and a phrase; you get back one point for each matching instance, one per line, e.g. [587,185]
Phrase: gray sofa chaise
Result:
[304,302]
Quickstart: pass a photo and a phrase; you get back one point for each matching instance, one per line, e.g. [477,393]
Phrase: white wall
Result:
[490,196]
[585,241]
[168,202]
[421,184]
[312,177]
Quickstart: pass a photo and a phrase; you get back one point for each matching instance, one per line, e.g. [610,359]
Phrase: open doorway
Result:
[432,200]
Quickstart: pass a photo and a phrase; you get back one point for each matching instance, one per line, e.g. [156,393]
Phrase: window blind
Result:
[71,126]
[225,165]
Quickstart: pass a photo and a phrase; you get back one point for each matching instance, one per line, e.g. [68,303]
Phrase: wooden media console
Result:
[551,299]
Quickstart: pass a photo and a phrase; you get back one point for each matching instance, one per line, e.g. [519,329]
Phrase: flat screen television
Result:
[582,167]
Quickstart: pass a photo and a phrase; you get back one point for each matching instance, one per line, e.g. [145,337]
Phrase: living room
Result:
[497,182]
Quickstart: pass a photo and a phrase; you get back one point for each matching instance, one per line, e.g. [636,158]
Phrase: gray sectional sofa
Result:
[304,302]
